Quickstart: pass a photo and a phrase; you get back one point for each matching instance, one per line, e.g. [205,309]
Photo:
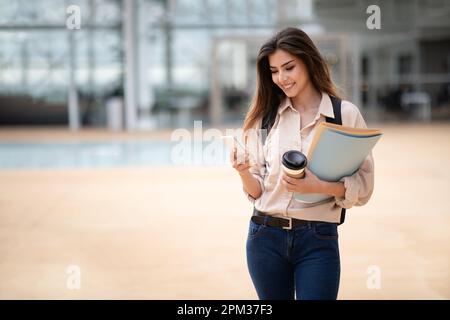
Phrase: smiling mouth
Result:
[287,87]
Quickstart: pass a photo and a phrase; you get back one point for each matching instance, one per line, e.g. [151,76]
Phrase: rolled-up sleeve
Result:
[258,173]
[359,186]
[258,168]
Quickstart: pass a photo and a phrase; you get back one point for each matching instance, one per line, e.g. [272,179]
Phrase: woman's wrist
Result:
[336,189]
[244,173]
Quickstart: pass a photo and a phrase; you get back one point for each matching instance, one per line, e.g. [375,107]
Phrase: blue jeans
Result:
[303,261]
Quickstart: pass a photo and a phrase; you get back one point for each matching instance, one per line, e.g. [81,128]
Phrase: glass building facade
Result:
[172,61]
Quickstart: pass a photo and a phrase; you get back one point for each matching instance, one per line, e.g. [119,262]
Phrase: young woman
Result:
[292,246]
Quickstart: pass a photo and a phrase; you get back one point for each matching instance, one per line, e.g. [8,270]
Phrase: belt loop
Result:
[266,218]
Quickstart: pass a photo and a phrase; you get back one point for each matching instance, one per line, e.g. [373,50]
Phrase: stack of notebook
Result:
[336,152]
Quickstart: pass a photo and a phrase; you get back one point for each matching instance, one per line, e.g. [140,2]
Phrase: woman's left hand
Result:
[309,184]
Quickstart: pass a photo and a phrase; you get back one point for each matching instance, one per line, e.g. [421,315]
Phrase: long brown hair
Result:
[268,95]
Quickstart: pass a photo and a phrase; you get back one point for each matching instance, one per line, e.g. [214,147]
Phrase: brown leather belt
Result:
[284,223]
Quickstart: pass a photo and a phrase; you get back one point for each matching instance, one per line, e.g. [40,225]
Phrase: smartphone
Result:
[233,142]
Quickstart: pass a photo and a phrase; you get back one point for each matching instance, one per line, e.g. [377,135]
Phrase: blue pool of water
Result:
[20,155]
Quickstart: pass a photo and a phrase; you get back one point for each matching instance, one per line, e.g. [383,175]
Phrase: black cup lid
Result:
[294,160]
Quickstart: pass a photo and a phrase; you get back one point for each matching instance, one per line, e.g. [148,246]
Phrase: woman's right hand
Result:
[241,163]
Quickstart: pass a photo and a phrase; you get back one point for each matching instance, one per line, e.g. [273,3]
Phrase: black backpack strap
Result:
[267,123]
[336,110]
[337,120]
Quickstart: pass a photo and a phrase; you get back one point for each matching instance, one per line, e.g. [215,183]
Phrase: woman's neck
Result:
[308,100]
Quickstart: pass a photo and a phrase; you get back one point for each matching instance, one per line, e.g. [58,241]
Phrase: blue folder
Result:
[337,154]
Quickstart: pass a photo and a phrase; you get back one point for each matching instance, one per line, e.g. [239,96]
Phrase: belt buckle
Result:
[290,223]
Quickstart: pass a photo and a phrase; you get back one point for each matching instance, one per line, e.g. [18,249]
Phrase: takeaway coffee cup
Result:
[294,163]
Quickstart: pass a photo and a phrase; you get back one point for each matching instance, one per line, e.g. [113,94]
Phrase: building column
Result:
[72,103]
[215,98]
[129,36]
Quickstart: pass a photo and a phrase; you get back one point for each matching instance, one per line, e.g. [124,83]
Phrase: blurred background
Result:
[149,64]
[91,91]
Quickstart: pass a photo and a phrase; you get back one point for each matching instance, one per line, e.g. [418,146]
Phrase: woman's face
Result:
[288,72]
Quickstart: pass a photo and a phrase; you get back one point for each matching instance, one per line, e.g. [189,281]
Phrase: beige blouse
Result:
[286,135]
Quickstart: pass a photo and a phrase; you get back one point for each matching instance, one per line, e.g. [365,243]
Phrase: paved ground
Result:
[179,233]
